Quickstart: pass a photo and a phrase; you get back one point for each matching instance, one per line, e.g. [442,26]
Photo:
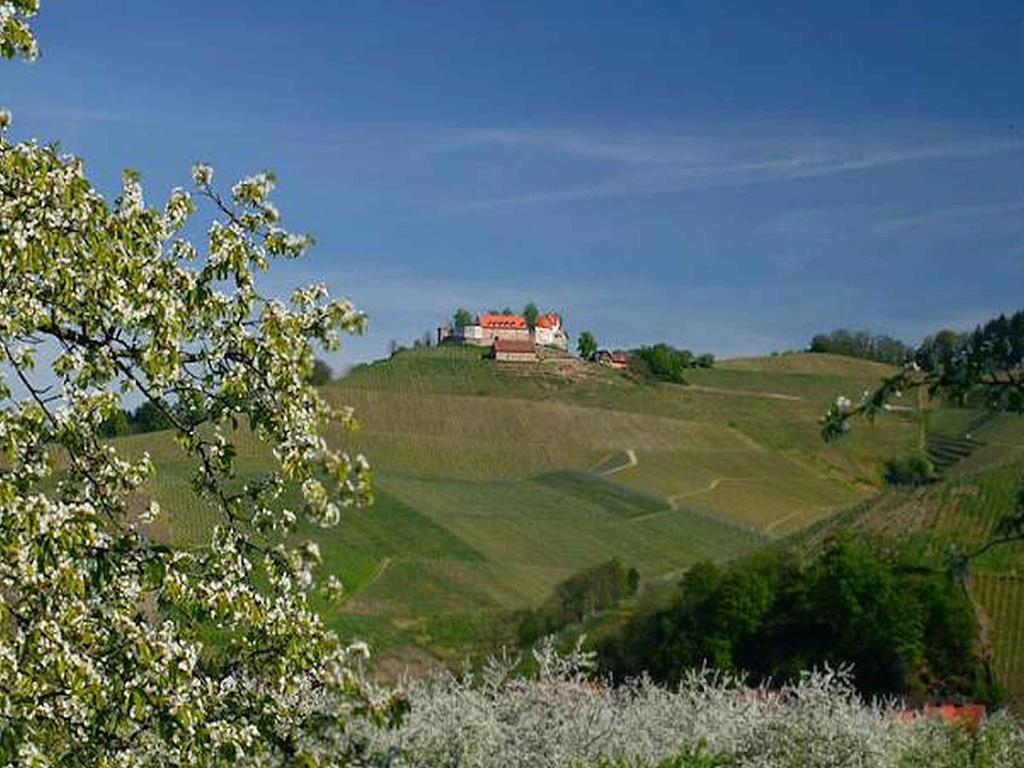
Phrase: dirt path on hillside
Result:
[673,500]
[745,393]
[631,461]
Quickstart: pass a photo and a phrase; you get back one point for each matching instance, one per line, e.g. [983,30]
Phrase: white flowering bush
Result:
[561,717]
[117,649]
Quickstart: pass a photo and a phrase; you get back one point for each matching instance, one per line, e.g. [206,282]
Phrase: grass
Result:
[610,497]
[812,363]
[435,557]
[496,482]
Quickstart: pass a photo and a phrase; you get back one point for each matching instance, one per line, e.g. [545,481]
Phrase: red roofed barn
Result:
[514,351]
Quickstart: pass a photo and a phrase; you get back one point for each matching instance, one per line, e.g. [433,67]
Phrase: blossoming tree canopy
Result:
[116,650]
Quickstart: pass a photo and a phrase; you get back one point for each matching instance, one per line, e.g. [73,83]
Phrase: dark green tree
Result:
[772,615]
[586,345]
[148,417]
[531,313]
[321,373]
[915,469]
[462,318]
[117,424]
[663,361]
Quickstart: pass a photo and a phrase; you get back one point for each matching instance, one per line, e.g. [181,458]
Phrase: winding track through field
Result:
[631,461]
[744,392]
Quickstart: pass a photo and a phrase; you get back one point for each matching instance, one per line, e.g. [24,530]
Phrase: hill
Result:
[497,481]
[977,490]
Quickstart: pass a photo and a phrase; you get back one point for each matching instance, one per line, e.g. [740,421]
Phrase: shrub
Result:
[594,589]
[663,361]
[914,470]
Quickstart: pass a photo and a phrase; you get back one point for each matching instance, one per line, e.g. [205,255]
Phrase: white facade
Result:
[472,334]
[551,337]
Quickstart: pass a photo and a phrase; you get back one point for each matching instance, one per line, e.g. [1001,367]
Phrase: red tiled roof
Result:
[513,345]
[489,320]
[550,320]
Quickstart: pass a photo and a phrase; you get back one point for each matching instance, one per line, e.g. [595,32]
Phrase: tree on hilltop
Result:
[116,648]
[462,318]
[586,345]
[530,314]
[862,344]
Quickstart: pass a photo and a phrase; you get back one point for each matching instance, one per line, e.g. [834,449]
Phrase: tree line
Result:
[862,344]
[773,615]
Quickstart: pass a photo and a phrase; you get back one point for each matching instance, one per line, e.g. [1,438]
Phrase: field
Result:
[494,483]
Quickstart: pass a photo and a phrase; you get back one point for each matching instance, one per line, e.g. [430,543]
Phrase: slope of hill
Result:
[963,511]
[496,482]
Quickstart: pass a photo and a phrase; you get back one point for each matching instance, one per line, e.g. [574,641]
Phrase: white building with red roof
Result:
[548,331]
[494,326]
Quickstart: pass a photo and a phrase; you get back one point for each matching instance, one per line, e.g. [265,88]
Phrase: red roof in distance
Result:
[490,320]
[550,320]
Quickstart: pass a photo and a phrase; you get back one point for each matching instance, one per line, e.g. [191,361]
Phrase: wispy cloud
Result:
[658,164]
[950,214]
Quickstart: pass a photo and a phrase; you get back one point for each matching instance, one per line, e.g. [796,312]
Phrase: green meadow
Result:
[496,482]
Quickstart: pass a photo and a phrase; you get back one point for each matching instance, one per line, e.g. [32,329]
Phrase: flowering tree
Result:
[116,650]
[561,717]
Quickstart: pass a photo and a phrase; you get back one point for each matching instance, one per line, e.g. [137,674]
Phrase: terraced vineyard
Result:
[1000,596]
[495,483]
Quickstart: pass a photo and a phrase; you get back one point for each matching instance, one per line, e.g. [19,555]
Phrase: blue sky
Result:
[730,177]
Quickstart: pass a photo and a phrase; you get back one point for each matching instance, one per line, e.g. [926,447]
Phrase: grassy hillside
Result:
[496,482]
[964,510]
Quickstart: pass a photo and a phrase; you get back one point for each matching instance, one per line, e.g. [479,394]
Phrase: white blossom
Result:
[563,717]
[202,174]
[118,648]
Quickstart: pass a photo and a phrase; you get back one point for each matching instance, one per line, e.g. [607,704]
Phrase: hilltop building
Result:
[615,359]
[514,351]
[491,327]
[549,332]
